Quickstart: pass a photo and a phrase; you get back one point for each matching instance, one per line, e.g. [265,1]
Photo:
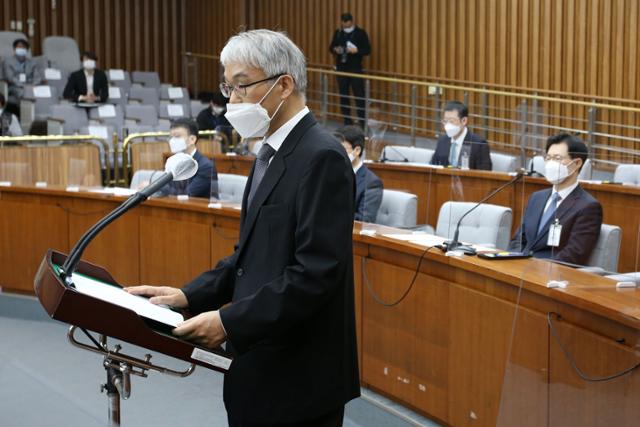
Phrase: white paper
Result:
[106,111]
[99,131]
[116,191]
[211,358]
[183,197]
[41,184]
[175,110]
[73,188]
[22,77]
[351,45]
[42,91]
[122,298]
[5,183]
[116,74]
[114,92]
[175,92]
[214,205]
[52,74]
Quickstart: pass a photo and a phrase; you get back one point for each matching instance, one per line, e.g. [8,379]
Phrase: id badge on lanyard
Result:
[555,231]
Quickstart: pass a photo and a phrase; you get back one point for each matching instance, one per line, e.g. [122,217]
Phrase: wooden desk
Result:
[621,204]
[469,345]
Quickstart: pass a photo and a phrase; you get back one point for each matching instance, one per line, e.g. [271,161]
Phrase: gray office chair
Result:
[36,104]
[66,119]
[119,78]
[144,95]
[118,96]
[197,107]
[627,174]
[231,187]
[503,162]
[605,255]
[146,78]
[488,225]
[174,95]
[404,153]
[143,175]
[62,53]
[398,209]
[141,115]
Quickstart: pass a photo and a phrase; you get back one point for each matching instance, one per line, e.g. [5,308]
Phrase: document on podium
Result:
[118,296]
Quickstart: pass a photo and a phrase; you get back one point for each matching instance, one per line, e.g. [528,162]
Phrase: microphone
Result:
[179,167]
[398,152]
[454,244]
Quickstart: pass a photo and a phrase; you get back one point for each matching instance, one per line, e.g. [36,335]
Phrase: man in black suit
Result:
[350,44]
[458,147]
[566,209]
[284,300]
[89,84]
[183,139]
[368,185]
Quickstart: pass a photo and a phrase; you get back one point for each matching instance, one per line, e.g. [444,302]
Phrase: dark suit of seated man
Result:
[368,185]
[567,204]
[89,84]
[184,136]
[459,143]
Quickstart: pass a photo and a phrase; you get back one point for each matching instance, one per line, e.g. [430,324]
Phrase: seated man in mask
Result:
[566,212]
[184,137]
[20,70]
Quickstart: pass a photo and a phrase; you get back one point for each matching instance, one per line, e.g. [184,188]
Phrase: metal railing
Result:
[124,177]
[107,152]
[515,120]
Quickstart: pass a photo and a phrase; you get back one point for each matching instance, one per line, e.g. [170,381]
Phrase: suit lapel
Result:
[272,176]
[537,211]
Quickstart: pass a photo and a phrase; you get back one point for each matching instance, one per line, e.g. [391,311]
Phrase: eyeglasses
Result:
[452,121]
[556,157]
[241,89]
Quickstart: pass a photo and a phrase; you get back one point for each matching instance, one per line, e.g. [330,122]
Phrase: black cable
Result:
[572,361]
[406,292]
[98,346]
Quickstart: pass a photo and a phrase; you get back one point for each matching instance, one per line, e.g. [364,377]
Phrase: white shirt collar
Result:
[564,193]
[276,139]
[358,166]
[460,139]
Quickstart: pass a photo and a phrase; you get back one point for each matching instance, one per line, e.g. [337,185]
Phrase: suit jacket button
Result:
[239,272]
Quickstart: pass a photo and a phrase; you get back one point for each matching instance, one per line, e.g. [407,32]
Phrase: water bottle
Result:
[464,160]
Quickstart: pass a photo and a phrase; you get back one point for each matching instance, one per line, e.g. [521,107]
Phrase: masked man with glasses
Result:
[562,223]
[459,147]
[284,300]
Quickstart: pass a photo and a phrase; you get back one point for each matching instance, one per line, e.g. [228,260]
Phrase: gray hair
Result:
[270,51]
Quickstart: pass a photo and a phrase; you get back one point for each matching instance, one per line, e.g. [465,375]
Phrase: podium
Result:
[88,313]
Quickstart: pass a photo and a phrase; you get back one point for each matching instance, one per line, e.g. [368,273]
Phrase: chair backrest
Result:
[57,78]
[403,153]
[74,118]
[119,78]
[231,187]
[108,114]
[503,162]
[61,52]
[146,115]
[43,97]
[398,209]
[144,95]
[627,174]
[143,175]
[607,251]
[486,225]
[197,107]
[175,94]
[118,96]
[585,172]
[172,111]
[146,78]
[6,41]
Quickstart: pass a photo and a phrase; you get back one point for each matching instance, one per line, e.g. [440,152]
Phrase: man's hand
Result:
[352,50]
[161,295]
[204,329]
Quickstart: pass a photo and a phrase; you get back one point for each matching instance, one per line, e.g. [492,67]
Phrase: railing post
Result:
[523,132]
[437,108]
[414,102]
[196,88]
[185,69]
[394,101]
[324,97]
[484,108]
[367,101]
[465,98]
[591,130]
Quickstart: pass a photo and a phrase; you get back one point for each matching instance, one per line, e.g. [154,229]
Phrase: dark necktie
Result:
[262,162]
[548,214]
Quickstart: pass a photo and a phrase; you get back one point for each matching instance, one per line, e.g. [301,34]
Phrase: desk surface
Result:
[470,336]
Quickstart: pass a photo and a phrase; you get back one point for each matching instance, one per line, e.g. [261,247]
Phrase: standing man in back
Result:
[284,300]
[350,44]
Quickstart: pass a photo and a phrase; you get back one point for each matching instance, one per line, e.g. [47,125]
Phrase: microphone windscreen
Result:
[182,166]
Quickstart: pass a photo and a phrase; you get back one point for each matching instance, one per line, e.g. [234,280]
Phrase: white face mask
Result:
[251,120]
[177,145]
[555,172]
[21,51]
[89,64]
[217,110]
[349,29]
[452,130]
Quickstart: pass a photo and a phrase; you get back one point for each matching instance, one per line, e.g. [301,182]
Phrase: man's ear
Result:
[357,151]
[578,162]
[288,86]
[464,121]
